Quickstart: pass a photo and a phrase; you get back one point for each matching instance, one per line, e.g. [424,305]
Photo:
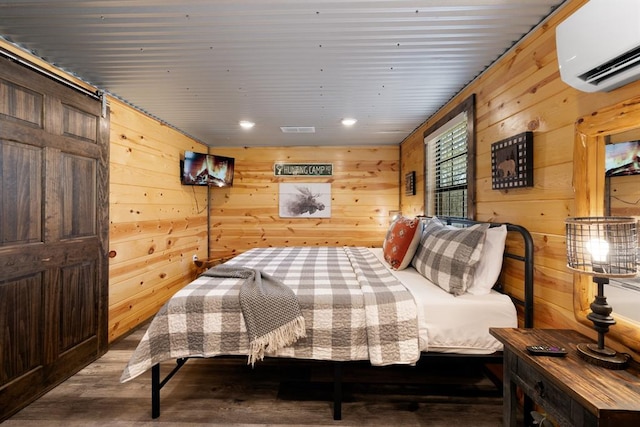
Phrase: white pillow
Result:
[490,264]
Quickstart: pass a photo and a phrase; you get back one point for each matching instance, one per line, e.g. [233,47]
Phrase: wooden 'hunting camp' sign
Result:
[303,169]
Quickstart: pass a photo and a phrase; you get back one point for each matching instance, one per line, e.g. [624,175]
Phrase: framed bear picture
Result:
[512,162]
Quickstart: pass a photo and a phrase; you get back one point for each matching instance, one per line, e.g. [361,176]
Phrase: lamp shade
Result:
[603,246]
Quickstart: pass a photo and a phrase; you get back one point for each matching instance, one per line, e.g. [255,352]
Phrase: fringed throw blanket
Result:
[353,308]
[270,308]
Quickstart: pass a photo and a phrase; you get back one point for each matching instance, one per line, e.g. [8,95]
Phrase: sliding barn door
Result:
[53,233]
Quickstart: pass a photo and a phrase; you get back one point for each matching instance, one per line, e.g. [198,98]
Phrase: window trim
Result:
[465,107]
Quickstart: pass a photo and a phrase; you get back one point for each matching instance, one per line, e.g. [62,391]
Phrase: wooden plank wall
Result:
[364,187]
[156,224]
[523,92]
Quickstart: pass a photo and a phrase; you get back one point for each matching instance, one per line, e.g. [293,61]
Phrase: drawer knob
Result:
[539,387]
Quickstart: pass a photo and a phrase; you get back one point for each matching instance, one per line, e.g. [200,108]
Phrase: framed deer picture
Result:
[512,162]
[305,200]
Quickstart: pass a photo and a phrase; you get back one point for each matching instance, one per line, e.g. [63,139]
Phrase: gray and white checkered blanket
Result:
[354,309]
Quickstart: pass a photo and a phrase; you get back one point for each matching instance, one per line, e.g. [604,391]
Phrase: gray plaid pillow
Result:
[448,257]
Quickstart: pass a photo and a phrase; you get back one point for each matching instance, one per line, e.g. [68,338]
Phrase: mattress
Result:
[455,324]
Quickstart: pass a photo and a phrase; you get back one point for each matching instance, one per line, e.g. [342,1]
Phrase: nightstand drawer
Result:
[558,403]
[543,390]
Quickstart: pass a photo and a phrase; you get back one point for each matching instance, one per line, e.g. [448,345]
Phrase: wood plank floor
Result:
[277,392]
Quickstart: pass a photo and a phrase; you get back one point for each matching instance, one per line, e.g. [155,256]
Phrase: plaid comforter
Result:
[354,309]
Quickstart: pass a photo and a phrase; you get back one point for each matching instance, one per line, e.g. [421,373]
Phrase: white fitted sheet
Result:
[451,324]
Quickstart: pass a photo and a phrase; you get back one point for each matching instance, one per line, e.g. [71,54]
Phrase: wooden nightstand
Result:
[570,390]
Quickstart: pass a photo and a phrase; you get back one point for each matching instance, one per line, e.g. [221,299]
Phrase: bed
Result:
[356,303]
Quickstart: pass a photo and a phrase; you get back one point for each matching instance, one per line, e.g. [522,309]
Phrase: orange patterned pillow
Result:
[401,242]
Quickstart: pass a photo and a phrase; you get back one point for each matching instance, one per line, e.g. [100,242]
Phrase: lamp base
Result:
[605,357]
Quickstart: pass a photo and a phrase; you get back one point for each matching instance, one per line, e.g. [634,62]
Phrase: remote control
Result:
[546,350]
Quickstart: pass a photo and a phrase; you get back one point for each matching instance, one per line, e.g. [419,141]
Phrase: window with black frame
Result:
[449,164]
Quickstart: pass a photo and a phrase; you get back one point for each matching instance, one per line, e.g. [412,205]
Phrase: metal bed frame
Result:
[527,306]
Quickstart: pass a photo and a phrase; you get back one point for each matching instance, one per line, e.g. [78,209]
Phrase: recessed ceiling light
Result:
[245,124]
[349,122]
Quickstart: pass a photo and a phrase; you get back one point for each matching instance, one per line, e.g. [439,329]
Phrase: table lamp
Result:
[602,247]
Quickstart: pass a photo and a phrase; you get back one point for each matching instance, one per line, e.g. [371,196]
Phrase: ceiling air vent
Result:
[613,68]
[298,129]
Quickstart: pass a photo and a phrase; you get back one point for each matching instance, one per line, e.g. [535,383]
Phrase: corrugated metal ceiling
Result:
[202,66]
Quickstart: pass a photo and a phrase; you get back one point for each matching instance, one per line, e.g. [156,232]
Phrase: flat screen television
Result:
[622,158]
[206,169]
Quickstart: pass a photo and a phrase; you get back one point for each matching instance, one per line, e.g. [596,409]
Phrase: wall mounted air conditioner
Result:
[599,45]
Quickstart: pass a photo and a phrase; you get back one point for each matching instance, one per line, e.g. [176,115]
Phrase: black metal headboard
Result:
[526,259]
